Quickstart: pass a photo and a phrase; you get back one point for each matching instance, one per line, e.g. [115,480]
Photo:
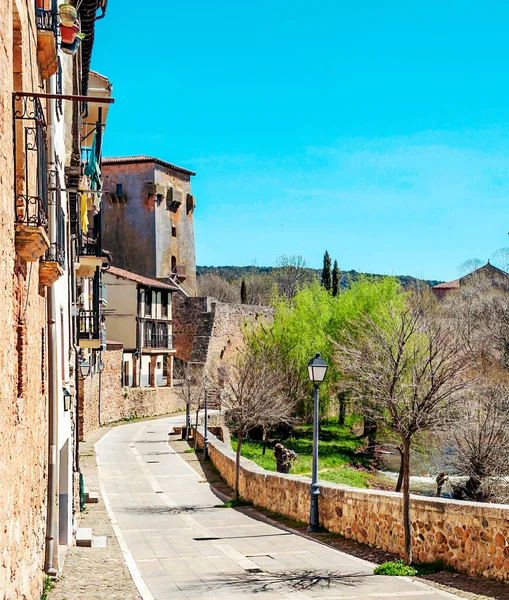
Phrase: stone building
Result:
[140,318]
[41,99]
[488,273]
[148,218]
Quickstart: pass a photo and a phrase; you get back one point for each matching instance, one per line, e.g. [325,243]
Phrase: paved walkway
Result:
[178,546]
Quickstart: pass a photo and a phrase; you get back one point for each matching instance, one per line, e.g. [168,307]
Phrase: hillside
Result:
[233,273]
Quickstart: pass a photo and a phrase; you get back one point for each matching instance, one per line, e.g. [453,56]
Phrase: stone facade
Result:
[149,227]
[207,331]
[471,537]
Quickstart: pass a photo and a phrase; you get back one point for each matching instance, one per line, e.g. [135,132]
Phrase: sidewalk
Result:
[180,546]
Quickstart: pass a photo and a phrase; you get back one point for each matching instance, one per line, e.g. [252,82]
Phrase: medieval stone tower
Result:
[147,218]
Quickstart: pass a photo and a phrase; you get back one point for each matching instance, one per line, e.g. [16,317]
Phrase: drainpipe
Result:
[51,557]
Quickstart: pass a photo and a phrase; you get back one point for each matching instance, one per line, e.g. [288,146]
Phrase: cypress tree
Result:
[326,276]
[336,277]
[243,292]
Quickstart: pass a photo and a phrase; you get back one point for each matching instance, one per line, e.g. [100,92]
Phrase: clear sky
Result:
[375,130]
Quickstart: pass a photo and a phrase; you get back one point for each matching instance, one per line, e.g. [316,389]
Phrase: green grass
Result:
[395,569]
[47,586]
[337,452]
[189,451]
[233,503]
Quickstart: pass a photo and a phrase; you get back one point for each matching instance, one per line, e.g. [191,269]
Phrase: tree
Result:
[406,373]
[326,274]
[252,395]
[215,286]
[243,292]
[189,386]
[290,274]
[336,277]
[501,259]
[470,265]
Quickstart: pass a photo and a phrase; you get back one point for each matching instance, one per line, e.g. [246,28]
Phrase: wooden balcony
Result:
[47,23]
[50,267]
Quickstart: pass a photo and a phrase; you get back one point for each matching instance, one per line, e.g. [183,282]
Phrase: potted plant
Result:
[69,33]
[72,48]
[44,4]
[68,14]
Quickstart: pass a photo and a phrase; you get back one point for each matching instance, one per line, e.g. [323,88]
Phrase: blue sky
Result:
[376,130]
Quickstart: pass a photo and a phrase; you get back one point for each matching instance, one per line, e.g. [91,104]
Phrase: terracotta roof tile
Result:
[123,274]
[142,158]
[448,285]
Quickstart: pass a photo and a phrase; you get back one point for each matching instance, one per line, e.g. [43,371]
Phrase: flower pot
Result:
[44,4]
[71,48]
[68,33]
[68,14]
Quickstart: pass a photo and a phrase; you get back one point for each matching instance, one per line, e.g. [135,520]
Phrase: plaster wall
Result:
[123,309]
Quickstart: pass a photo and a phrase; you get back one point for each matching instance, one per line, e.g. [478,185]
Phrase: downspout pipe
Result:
[51,565]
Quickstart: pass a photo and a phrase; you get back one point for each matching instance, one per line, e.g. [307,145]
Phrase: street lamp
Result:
[317,369]
[85,368]
[206,420]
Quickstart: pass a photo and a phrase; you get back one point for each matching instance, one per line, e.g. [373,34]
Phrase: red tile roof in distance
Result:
[123,274]
[448,285]
[143,158]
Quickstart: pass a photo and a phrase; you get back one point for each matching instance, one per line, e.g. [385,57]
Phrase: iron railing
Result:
[89,247]
[47,20]
[30,161]
[88,325]
[55,254]
[157,339]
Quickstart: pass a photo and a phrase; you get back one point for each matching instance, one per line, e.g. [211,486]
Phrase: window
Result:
[173,232]
[119,191]
[148,303]
[164,305]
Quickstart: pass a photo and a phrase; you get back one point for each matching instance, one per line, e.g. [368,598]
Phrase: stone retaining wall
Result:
[470,536]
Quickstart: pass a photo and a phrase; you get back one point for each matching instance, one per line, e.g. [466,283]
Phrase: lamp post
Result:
[85,368]
[206,420]
[317,369]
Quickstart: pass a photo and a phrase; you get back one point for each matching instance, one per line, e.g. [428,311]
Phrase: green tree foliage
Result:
[326,275]
[336,276]
[243,292]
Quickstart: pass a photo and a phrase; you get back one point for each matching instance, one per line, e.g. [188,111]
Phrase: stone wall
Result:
[207,331]
[115,402]
[471,537]
[23,400]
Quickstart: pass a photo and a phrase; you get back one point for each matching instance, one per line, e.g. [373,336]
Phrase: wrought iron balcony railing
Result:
[30,161]
[88,325]
[47,19]
[55,254]
[155,340]
[89,247]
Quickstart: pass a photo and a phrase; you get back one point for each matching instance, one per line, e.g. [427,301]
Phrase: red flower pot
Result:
[68,33]
[44,4]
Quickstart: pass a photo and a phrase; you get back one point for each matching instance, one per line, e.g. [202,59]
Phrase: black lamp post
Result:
[317,369]
[85,368]
[206,420]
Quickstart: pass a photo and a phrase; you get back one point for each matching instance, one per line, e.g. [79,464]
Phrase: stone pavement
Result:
[180,546]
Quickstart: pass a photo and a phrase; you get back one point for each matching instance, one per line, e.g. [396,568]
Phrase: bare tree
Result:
[259,289]
[470,265]
[478,441]
[406,370]
[290,274]
[215,286]
[190,387]
[252,396]
[500,259]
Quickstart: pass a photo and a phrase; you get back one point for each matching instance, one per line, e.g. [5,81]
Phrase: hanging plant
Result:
[68,14]
[69,33]
[72,48]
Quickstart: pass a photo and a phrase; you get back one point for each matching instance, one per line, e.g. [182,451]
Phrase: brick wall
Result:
[23,402]
[472,537]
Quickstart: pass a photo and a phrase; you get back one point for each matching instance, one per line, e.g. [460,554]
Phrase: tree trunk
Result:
[196,429]
[399,483]
[407,525]
[188,420]
[342,408]
[265,440]
[237,467]
[370,429]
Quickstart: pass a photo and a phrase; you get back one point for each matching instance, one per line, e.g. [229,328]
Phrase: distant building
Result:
[147,220]
[488,271]
[140,318]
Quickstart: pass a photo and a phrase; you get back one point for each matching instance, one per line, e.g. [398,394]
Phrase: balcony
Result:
[46,19]
[31,185]
[51,265]
[88,258]
[91,333]
[181,272]
[156,337]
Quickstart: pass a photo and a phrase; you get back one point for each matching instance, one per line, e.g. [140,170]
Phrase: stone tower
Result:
[147,218]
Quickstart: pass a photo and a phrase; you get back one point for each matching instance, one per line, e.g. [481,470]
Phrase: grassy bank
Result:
[338,453]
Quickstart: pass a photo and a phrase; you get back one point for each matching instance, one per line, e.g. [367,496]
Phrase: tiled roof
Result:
[448,285]
[111,345]
[123,274]
[142,158]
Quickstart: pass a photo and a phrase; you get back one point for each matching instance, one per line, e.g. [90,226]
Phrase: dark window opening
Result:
[173,232]
[164,304]
[148,303]
[119,191]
